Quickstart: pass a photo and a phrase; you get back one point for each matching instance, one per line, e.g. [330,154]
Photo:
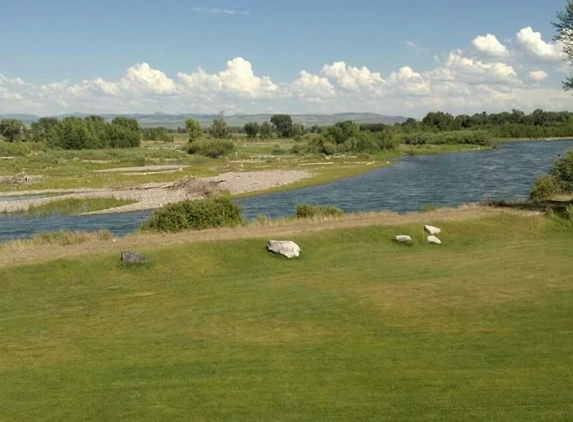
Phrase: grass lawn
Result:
[357,329]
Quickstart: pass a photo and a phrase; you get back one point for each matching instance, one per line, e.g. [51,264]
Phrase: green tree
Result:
[194,129]
[98,128]
[564,26]
[266,130]
[157,134]
[439,121]
[11,129]
[41,128]
[219,128]
[283,125]
[298,130]
[91,133]
[70,133]
[126,122]
[252,130]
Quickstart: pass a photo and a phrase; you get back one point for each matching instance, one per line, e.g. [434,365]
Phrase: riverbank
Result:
[19,252]
[356,328]
[156,195]
[502,140]
[241,178]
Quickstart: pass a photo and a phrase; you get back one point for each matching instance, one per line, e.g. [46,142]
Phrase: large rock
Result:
[403,239]
[434,240]
[284,248]
[133,258]
[432,230]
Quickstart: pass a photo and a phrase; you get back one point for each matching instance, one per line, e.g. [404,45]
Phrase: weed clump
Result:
[314,211]
[211,148]
[195,215]
[544,188]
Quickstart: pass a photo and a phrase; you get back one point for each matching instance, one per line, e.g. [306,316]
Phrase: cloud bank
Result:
[490,76]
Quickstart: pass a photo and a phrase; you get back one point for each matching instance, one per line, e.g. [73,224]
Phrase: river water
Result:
[445,180]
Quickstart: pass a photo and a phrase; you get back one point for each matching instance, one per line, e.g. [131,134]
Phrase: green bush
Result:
[471,137]
[313,211]
[418,138]
[211,148]
[19,149]
[157,134]
[561,214]
[563,171]
[544,188]
[195,215]
[364,142]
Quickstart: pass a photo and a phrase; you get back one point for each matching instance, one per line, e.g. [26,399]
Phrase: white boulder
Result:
[403,239]
[284,248]
[434,240]
[432,230]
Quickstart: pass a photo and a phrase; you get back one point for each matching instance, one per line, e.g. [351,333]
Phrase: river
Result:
[444,180]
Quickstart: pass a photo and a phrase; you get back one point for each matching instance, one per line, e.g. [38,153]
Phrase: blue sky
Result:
[75,56]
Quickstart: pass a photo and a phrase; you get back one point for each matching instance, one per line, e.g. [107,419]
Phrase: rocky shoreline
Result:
[155,195]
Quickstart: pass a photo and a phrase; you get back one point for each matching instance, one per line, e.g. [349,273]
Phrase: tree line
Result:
[91,132]
[435,127]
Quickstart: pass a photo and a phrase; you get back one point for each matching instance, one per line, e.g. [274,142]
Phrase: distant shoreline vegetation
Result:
[95,132]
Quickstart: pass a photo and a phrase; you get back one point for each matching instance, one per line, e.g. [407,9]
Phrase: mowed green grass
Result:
[357,329]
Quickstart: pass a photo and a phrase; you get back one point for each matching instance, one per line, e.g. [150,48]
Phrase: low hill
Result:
[173,121]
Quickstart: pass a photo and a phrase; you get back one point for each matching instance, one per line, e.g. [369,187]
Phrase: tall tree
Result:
[564,26]
[194,129]
[439,120]
[11,129]
[126,122]
[219,128]
[266,130]
[41,128]
[252,130]
[282,124]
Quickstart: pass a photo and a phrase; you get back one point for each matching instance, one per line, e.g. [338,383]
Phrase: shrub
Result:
[313,211]
[195,215]
[364,142]
[561,215]
[157,134]
[472,137]
[211,148]
[544,188]
[19,149]
[563,171]
[419,138]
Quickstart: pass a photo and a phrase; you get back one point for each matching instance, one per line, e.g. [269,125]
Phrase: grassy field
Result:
[357,329]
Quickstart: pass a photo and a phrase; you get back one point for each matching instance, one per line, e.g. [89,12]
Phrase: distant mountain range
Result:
[173,121]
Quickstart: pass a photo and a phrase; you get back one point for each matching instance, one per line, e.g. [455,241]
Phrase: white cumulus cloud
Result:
[538,75]
[490,46]
[312,87]
[407,81]
[459,67]
[353,78]
[237,79]
[534,45]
